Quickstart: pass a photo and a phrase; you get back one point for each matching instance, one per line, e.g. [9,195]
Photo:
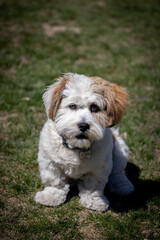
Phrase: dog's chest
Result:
[83,166]
[77,163]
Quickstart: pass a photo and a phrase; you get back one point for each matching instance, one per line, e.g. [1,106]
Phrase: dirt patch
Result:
[79,61]
[157,155]
[5,115]
[25,99]
[147,231]
[50,31]
[83,215]
[88,229]
[153,121]
[101,3]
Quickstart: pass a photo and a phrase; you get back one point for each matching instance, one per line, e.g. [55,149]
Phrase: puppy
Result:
[77,141]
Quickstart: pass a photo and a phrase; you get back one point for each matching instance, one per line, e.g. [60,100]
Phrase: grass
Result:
[118,41]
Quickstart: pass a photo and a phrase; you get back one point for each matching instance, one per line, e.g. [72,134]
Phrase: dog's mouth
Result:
[81,137]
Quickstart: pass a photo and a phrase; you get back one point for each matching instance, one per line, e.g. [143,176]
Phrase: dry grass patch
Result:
[50,31]
[88,228]
[148,231]
[5,116]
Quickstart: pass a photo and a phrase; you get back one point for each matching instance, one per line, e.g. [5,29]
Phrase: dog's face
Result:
[82,108]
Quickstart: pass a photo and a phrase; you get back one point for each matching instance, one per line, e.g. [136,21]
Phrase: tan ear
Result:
[115,98]
[53,96]
[117,104]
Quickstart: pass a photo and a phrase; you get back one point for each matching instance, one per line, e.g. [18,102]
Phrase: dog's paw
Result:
[96,203]
[51,196]
[122,188]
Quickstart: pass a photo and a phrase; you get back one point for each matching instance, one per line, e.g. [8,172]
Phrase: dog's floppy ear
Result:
[115,99]
[53,96]
[117,104]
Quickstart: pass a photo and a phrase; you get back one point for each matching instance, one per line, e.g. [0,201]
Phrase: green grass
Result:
[117,40]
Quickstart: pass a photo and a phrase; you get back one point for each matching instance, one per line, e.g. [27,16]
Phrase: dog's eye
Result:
[94,108]
[73,107]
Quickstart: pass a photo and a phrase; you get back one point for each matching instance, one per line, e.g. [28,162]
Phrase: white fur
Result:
[58,163]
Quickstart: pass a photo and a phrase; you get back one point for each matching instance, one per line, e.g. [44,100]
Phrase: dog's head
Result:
[82,107]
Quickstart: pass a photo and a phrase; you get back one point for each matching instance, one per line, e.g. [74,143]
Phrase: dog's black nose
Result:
[83,126]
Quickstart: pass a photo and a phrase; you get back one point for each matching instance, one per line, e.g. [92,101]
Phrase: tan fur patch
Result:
[115,98]
[57,96]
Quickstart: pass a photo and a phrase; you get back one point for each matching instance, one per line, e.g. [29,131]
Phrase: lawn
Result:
[40,40]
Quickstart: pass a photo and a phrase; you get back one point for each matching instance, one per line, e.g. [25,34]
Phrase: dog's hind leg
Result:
[118,181]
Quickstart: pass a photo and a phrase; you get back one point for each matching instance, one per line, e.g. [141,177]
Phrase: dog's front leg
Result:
[91,192]
[51,196]
[56,187]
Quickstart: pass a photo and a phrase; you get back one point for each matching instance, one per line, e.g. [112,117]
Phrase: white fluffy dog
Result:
[77,142]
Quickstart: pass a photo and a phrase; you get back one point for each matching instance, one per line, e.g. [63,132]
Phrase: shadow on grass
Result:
[144,190]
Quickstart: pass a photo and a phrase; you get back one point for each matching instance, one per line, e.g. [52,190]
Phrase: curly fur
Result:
[69,103]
